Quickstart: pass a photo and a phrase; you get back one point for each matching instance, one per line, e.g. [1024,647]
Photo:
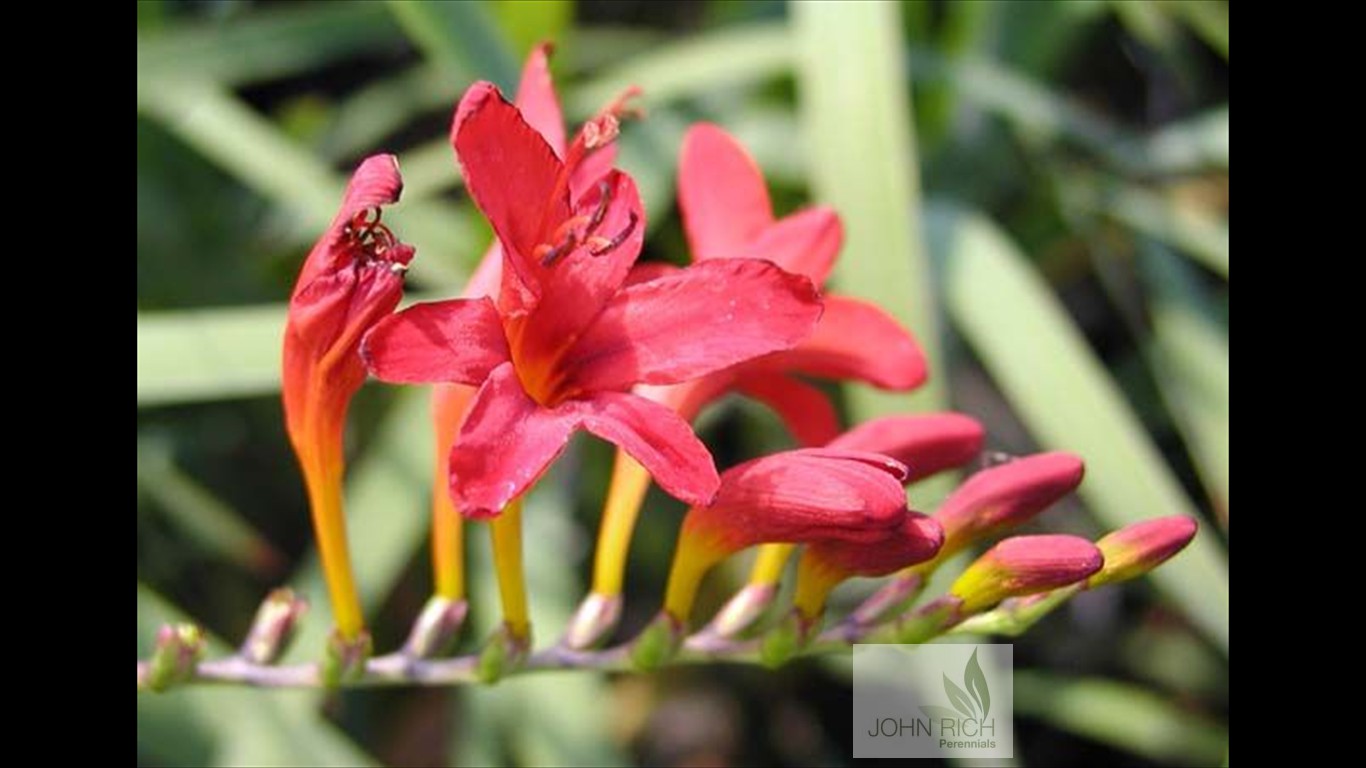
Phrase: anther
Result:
[601,247]
[549,255]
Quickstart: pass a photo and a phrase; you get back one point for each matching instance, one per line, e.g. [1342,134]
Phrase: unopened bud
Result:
[1024,565]
[1136,549]
[593,621]
[178,650]
[436,627]
[273,627]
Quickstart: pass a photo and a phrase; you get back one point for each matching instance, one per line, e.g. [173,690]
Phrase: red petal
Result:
[456,341]
[721,193]
[1008,495]
[511,172]
[916,540]
[644,272]
[927,444]
[508,441]
[537,100]
[653,435]
[701,319]
[807,242]
[505,445]
[857,340]
[804,409]
[488,275]
[806,495]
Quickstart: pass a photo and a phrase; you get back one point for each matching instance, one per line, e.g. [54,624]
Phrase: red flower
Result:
[567,338]
[450,402]
[727,214]
[351,279]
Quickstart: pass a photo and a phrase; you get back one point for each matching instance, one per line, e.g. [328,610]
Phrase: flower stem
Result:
[323,468]
[692,559]
[448,544]
[506,530]
[449,404]
[630,481]
[768,565]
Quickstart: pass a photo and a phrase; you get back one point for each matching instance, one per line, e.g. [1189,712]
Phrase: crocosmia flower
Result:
[352,278]
[567,337]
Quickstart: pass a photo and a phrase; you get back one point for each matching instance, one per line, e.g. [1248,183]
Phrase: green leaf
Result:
[1040,114]
[526,24]
[1064,395]
[958,698]
[1192,230]
[856,119]
[204,518]
[1121,715]
[264,44]
[1190,357]
[458,39]
[694,66]
[208,354]
[976,683]
[234,136]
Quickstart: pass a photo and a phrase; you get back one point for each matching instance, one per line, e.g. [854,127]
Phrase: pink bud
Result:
[1005,496]
[1136,549]
[1023,565]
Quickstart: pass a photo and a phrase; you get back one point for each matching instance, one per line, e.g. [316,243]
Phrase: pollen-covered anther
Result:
[370,236]
[600,245]
[600,131]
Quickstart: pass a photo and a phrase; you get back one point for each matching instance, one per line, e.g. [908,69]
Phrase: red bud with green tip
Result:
[1136,549]
[1023,565]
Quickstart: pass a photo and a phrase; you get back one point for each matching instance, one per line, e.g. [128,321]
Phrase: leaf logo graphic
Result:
[970,702]
[976,683]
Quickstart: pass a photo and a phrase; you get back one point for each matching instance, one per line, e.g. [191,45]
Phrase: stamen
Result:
[604,199]
[603,247]
[548,255]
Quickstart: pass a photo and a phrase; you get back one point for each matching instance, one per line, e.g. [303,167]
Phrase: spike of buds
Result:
[273,627]
[1024,565]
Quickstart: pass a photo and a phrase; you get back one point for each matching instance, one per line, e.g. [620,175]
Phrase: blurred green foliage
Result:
[1039,189]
